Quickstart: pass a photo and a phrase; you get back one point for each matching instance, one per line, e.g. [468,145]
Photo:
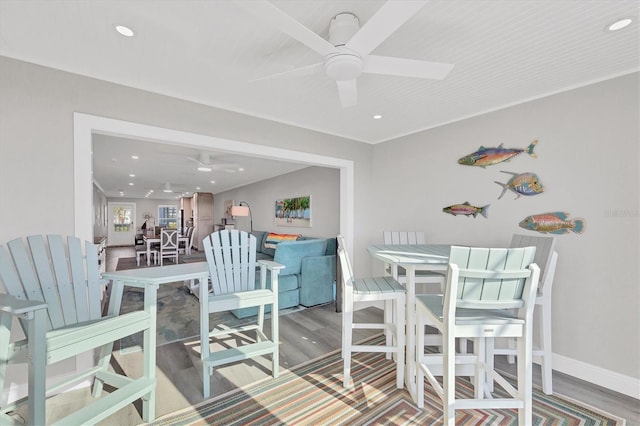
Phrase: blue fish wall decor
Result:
[526,184]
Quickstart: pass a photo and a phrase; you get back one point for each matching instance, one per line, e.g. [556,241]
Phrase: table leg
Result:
[148,253]
[410,370]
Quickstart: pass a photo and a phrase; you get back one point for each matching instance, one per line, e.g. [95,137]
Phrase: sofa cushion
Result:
[260,236]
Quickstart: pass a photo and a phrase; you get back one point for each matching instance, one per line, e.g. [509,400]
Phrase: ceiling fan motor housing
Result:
[344,64]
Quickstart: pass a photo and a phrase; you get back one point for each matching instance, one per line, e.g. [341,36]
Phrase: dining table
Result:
[149,241]
[418,257]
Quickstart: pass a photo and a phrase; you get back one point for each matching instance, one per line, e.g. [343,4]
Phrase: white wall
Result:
[320,182]
[588,162]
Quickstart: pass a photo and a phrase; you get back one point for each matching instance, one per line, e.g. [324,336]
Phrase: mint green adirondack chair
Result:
[484,287]
[53,286]
[231,257]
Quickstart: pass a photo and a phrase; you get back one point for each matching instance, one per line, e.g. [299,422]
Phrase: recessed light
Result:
[197,188]
[125,31]
[618,24]
[132,175]
[130,183]
[377,117]
[213,181]
[135,157]
[204,169]
[151,190]
[240,169]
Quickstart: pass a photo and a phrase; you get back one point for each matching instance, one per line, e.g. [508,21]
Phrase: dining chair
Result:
[169,245]
[546,258]
[192,233]
[231,258]
[58,278]
[483,287]
[421,277]
[375,289]
[141,250]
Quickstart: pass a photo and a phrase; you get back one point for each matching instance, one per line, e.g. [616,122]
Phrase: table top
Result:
[161,274]
[418,254]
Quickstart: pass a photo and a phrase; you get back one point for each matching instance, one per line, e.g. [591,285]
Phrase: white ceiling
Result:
[505,52]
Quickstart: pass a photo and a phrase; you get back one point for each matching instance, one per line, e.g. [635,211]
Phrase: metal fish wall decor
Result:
[553,223]
[466,209]
[484,157]
[526,184]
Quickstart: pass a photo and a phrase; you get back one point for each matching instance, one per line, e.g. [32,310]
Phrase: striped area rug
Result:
[312,394]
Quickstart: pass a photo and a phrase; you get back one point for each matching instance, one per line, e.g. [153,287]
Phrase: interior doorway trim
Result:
[85,125]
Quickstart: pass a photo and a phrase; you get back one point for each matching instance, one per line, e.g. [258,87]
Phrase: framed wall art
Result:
[293,212]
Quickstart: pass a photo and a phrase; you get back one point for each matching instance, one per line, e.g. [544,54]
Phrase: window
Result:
[168,216]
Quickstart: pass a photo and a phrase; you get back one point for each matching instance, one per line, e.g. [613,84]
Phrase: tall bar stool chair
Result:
[484,286]
[385,289]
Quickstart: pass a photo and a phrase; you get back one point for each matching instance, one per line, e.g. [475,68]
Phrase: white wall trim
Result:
[85,125]
[606,378]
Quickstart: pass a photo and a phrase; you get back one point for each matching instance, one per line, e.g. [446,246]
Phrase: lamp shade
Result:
[239,211]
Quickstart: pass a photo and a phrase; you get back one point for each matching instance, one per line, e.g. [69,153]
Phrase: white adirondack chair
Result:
[424,278]
[231,256]
[374,289]
[546,258]
[483,287]
[57,283]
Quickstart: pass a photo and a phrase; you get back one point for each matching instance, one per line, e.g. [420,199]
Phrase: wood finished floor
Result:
[304,336]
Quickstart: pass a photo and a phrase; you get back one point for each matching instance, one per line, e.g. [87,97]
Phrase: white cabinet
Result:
[202,205]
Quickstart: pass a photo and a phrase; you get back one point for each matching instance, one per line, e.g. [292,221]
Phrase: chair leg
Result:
[480,351]
[419,361]
[449,379]
[388,319]
[525,378]
[546,364]
[400,340]
[347,336]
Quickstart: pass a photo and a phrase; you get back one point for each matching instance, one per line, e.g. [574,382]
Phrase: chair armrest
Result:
[15,306]
[271,265]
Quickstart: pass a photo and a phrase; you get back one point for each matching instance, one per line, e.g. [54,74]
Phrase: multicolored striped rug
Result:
[312,394]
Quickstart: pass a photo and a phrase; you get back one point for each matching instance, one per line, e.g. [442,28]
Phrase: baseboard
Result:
[606,378]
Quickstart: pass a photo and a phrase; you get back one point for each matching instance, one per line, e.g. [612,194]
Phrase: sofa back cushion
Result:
[290,253]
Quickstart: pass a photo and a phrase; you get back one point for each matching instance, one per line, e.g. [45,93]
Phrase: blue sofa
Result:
[309,275]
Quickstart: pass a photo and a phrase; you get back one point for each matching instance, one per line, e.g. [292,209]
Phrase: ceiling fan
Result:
[206,164]
[347,52]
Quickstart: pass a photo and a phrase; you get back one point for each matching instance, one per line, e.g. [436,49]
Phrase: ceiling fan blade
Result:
[391,16]
[307,70]
[406,67]
[348,91]
[267,12]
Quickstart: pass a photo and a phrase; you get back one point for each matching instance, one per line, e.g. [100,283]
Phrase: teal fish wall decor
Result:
[466,209]
[553,223]
[484,157]
[527,184]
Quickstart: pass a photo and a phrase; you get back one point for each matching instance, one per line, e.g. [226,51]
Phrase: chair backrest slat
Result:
[404,237]
[81,286]
[545,251]
[61,273]
[231,255]
[92,271]
[490,277]
[42,263]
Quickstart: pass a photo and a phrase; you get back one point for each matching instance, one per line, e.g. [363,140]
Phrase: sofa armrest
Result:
[317,279]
